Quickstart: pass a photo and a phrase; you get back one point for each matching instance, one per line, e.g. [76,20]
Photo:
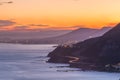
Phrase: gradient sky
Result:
[61,14]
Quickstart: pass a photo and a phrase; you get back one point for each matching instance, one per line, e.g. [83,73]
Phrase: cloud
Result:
[4,23]
[67,27]
[77,26]
[6,2]
[38,25]
[21,27]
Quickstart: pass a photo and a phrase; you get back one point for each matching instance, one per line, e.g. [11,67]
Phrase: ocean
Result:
[28,62]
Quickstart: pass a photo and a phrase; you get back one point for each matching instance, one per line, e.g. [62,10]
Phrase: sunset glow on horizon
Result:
[61,14]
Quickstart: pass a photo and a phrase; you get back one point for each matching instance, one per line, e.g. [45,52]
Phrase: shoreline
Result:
[75,62]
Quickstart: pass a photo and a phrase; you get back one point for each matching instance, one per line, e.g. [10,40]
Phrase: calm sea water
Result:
[28,62]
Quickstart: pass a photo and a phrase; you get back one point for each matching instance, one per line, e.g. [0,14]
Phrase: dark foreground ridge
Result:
[101,53]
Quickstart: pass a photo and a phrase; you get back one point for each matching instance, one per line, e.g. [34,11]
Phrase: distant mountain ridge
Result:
[76,35]
[31,34]
[37,37]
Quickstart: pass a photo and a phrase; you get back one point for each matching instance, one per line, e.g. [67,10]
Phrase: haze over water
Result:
[28,62]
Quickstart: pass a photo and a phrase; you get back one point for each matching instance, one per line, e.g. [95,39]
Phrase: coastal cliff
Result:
[100,53]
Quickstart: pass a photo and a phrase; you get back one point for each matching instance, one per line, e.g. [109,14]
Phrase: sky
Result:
[58,14]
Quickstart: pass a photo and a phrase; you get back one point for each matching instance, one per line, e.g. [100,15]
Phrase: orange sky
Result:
[62,14]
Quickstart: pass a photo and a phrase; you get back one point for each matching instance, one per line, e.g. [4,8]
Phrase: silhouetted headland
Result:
[100,53]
